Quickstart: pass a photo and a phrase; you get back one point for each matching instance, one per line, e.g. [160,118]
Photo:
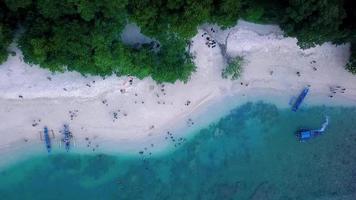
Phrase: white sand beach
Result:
[113,115]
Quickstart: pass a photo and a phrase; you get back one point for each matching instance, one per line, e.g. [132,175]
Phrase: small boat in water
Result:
[300,99]
[67,137]
[47,139]
[305,134]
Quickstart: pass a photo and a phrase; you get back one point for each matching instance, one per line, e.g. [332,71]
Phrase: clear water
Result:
[250,154]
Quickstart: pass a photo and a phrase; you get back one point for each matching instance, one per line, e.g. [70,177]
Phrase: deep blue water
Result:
[250,154]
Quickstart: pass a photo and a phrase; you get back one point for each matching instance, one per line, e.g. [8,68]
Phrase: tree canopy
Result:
[84,36]
[79,37]
[314,21]
[5,31]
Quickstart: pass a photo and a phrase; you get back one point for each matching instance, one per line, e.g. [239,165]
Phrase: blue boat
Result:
[300,99]
[47,139]
[67,137]
[304,135]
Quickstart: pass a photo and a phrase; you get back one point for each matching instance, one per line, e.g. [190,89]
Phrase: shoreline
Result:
[145,110]
[208,114]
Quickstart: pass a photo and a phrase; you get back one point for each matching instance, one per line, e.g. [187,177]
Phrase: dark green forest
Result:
[84,36]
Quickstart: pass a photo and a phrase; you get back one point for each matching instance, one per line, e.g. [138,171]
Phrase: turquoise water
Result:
[250,154]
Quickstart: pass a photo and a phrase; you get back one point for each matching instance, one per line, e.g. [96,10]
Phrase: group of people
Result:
[73,114]
[177,141]
[90,144]
[211,43]
[336,89]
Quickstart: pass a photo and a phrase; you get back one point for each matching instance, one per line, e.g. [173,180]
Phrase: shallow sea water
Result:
[250,154]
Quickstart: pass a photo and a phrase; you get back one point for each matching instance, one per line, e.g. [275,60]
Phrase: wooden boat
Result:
[300,99]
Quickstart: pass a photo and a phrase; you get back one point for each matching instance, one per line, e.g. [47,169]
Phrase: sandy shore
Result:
[114,115]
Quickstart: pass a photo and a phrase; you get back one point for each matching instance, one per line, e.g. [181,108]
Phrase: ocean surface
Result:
[252,153]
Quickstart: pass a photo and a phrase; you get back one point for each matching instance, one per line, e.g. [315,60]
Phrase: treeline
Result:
[84,36]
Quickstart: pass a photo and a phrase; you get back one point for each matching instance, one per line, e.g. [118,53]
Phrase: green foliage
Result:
[182,16]
[5,39]
[254,14]
[155,17]
[5,32]
[263,11]
[233,69]
[351,65]
[314,21]
[74,42]
[15,5]
[225,12]
[173,64]
[84,36]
